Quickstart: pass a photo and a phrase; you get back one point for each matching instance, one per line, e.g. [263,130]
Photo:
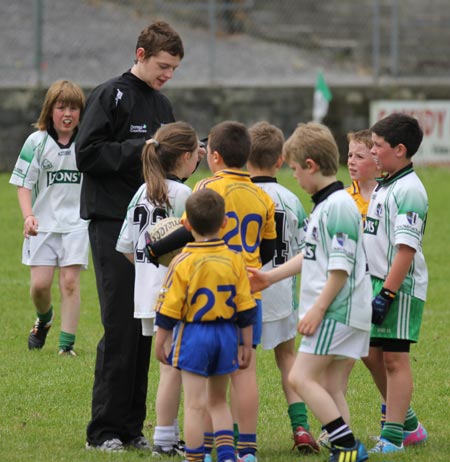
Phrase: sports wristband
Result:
[387,294]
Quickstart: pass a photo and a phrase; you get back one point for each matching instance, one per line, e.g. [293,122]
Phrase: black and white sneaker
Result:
[113,445]
[140,443]
[158,451]
[38,334]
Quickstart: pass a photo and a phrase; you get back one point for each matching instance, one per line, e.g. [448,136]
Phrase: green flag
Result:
[322,98]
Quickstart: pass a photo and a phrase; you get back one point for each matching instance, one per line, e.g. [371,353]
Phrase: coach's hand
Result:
[381,304]
[148,250]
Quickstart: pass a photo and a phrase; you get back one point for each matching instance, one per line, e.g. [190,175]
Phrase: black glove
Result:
[381,304]
[148,250]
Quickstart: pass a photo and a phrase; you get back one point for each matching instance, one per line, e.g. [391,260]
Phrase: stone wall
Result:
[204,107]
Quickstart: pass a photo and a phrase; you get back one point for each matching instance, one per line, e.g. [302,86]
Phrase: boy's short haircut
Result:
[398,128]
[232,141]
[313,141]
[205,210]
[267,145]
[160,36]
[61,91]
[361,136]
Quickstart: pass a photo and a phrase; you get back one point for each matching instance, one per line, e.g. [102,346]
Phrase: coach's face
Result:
[156,70]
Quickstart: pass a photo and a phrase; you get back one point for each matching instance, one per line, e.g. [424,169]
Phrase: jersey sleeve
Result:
[343,227]
[244,298]
[26,169]
[172,296]
[270,231]
[411,217]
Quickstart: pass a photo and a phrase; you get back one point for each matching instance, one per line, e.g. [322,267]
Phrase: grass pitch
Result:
[45,399]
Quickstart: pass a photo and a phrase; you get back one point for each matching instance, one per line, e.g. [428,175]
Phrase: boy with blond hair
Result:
[335,292]
[280,302]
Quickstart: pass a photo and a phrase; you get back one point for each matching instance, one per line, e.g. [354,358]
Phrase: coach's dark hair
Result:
[205,210]
[232,141]
[398,129]
[161,155]
[160,36]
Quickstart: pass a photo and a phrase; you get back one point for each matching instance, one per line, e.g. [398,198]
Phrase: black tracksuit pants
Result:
[123,354]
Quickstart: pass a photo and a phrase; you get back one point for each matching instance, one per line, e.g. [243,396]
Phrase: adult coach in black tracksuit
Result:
[120,116]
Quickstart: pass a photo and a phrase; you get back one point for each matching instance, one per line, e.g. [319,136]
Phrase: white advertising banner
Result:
[433,117]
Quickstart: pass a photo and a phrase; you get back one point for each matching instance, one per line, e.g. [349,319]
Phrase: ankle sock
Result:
[46,317]
[66,340]
[298,415]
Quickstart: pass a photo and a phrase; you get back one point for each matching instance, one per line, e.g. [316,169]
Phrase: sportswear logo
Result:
[379,210]
[315,233]
[138,128]
[412,217]
[47,164]
[310,251]
[63,176]
[119,95]
[340,238]
[64,152]
[371,226]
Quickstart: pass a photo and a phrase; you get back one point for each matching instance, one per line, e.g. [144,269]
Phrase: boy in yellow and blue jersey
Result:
[206,296]
[250,229]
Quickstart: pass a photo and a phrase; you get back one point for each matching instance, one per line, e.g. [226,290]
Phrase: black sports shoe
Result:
[158,451]
[38,334]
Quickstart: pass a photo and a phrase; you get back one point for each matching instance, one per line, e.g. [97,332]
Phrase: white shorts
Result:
[57,249]
[279,331]
[335,338]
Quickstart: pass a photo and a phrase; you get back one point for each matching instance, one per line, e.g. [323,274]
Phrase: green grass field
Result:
[45,399]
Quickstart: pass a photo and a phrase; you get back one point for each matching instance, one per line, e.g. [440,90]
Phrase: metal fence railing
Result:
[281,41]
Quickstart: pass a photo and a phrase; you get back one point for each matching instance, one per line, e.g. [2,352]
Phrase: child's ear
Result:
[401,150]
[280,161]
[311,165]
[225,221]
[187,225]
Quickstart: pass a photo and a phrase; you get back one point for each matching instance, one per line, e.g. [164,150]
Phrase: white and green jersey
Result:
[334,241]
[280,299]
[51,173]
[141,216]
[397,215]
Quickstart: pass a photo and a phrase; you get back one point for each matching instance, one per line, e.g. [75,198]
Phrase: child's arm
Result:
[260,280]
[161,336]
[129,257]
[245,350]
[335,282]
[399,269]
[30,224]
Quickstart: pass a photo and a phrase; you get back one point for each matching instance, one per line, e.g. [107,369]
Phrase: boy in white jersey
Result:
[279,302]
[335,288]
[393,235]
[171,155]
[48,187]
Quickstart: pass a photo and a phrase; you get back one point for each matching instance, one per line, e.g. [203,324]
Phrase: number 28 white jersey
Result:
[279,300]
[141,216]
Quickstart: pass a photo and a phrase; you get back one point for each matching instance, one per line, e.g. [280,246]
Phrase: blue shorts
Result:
[257,327]
[208,348]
